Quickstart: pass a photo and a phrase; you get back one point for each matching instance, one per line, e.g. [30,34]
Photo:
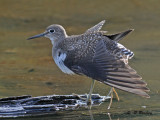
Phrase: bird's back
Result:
[84,45]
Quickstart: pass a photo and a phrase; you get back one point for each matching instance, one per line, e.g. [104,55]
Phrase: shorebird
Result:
[96,55]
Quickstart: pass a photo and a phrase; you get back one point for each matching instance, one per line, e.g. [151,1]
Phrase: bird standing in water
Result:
[96,55]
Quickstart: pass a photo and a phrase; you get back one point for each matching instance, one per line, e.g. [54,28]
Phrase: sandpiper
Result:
[96,55]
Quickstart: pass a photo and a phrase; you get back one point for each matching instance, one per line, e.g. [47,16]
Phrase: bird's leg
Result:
[90,92]
[110,94]
[88,99]
[116,93]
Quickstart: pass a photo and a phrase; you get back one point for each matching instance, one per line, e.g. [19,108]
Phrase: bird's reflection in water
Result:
[92,117]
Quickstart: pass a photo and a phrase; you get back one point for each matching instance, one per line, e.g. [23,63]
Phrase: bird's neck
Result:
[58,38]
[56,41]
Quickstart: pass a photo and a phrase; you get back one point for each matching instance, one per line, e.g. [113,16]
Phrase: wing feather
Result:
[108,69]
[96,28]
[119,36]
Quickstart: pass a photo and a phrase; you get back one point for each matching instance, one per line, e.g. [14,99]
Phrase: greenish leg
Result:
[110,93]
[90,92]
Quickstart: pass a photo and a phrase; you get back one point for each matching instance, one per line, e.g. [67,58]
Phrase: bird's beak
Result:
[37,36]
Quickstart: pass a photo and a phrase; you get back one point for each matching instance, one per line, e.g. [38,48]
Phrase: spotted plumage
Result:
[96,55]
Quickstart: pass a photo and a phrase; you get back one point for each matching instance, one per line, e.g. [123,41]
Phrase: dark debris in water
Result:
[31,70]
[138,112]
[130,114]
[26,105]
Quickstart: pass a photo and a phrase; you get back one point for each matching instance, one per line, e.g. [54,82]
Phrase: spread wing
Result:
[96,28]
[119,36]
[108,69]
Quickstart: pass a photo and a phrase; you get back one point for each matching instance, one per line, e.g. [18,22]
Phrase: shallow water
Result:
[27,68]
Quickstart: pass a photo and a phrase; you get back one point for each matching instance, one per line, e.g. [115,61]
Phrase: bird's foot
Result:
[87,99]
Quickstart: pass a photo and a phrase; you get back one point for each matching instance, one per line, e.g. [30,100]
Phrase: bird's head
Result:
[53,32]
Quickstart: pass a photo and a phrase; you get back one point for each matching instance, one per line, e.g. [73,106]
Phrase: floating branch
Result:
[27,105]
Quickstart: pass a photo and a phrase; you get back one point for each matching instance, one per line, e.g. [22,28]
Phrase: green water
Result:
[27,68]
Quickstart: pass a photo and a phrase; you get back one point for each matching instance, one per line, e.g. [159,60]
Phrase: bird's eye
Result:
[51,31]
